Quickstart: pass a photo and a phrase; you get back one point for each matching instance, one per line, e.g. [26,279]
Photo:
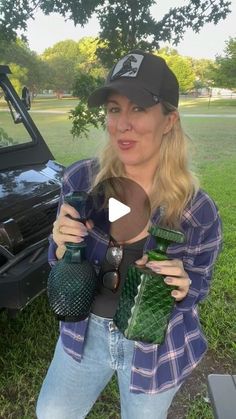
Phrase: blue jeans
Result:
[71,388]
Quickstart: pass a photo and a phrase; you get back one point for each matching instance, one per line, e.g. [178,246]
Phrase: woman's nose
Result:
[124,122]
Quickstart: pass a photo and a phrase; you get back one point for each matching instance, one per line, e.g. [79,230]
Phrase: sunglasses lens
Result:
[111,280]
[114,256]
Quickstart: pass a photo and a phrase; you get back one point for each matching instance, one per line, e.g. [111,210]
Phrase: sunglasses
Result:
[111,279]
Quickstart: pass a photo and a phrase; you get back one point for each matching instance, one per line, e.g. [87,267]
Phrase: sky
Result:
[45,31]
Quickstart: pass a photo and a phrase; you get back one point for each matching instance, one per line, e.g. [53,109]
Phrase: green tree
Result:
[181,67]
[61,59]
[89,61]
[203,71]
[89,76]
[18,56]
[61,74]
[125,24]
[68,60]
[224,73]
[18,77]
[85,84]
[67,48]
[82,117]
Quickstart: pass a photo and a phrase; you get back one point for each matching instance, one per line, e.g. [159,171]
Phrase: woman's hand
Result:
[174,273]
[67,229]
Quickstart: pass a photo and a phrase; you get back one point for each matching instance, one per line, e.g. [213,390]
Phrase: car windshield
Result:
[11,133]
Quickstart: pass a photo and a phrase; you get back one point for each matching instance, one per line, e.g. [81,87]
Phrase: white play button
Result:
[118,206]
[116,209]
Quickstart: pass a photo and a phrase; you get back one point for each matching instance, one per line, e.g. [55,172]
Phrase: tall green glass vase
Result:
[146,303]
[72,282]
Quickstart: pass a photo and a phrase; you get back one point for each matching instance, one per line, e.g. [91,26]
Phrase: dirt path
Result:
[196,384]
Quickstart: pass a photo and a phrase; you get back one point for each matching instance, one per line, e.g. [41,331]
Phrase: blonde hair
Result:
[173,184]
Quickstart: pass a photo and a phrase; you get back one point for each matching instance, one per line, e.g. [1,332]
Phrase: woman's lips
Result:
[126,144]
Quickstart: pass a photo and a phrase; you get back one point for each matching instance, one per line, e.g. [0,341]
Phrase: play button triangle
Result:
[116,209]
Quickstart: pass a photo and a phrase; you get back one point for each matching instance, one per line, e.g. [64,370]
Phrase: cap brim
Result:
[132,90]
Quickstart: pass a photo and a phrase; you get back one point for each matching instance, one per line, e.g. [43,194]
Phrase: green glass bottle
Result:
[72,282]
[146,303]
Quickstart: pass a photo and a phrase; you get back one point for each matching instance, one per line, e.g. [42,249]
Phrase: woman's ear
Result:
[171,119]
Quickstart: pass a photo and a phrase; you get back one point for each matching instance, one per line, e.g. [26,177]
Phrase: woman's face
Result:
[136,133]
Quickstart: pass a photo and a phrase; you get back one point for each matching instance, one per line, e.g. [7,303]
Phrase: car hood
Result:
[32,185]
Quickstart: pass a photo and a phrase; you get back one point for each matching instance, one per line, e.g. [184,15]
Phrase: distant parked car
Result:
[30,182]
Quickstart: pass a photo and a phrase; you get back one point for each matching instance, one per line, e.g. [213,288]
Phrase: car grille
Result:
[36,223]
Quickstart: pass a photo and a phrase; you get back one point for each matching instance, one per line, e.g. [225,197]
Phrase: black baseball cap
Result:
[144,78]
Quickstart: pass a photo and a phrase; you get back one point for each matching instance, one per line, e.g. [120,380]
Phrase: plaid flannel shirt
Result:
[157,368]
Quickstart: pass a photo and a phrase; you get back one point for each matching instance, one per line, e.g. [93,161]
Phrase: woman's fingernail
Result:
[83,229]
[168,281]
[175,293]
[153,267]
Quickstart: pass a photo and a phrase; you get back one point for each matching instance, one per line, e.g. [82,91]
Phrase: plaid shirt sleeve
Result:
[203,229]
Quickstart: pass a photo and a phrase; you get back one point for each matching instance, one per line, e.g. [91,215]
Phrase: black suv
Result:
[30,182]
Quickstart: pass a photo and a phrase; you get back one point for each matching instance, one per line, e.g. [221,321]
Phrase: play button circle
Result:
[119,207]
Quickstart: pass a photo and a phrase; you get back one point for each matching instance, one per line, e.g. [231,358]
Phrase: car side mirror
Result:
[25,97]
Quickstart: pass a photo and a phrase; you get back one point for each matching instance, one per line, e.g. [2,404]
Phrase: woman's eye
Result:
[138,109]
[113,109]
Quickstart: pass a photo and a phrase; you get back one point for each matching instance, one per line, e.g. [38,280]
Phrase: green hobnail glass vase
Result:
[72,282]
[146,303]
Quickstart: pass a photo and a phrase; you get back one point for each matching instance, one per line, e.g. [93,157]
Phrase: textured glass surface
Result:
[72,282]
[71,289]
[145,306]
[146,303]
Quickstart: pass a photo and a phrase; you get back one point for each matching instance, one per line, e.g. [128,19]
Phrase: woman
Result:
[146,145]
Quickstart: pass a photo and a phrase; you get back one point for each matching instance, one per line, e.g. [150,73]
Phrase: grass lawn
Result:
[56,131]
[187,105]
[27,342]
[204,106]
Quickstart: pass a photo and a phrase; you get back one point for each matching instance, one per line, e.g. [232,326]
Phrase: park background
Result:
[60,77]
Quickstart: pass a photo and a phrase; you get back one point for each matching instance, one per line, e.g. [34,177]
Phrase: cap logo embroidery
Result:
[128,66]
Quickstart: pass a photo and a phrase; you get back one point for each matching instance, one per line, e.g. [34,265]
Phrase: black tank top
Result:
[106,301]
